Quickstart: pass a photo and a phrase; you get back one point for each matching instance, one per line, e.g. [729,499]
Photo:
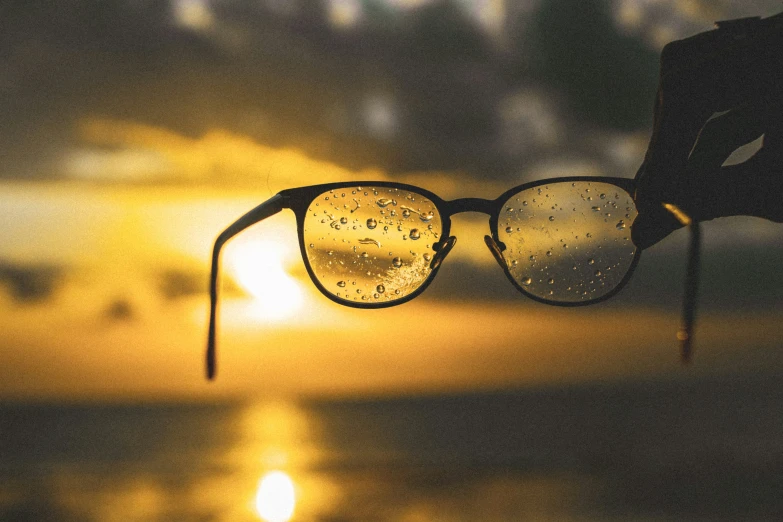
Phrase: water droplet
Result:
[565,245]
[341,284]
[312,245]
[509,209]
[427,257]
[602,196]
[330,253]
[406,213]
[393,213]
[414,234]
[369,241]
[526,281]
[397,262]
[358,290]
[343,220]
[548,253]
[551,218]
[399,228]
[514,262]
[598,273]
[364,255]
[427,216]
[524,203]
[336,226]
[621,225]
[532,258]
[371,223]
[509,230]
[385,202]
[550,281]
[591,261]
[596,209]
[380,289]
[397,292]
[588,235]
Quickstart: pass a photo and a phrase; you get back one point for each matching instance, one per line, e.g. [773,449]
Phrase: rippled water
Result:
[707,450]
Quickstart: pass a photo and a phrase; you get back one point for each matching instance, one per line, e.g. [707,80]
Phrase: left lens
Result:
[370,244]
[568,242]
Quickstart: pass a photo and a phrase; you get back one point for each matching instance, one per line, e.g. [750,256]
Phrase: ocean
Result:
[683,449]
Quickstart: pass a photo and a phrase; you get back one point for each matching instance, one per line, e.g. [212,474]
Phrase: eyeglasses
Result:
[564,241]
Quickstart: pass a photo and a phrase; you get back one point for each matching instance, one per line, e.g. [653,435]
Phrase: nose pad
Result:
[442,249]
[497,250]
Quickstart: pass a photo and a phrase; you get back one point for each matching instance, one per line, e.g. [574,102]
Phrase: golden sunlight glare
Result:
[258,267]
[275,499]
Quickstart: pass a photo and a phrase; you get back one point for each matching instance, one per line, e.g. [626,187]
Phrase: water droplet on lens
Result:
[551,218]
[341,284]
[380,289]
[526,281]
[598,273]
[414,234]
[514,262]
[337,227]
[343,220]
[371,223]
[591,261]
[550,281]
[358,290]
[312,245]
[548,253]
[532,258]
[427,257]
[596,209]
[621,225]
[397,262]
[588,235]
[602,196]
[364,254]
[509,230]
[524,203]
[406,213]
[330,253]
[383,202]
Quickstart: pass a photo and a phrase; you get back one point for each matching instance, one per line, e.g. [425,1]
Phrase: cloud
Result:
[30,283]
[422,89]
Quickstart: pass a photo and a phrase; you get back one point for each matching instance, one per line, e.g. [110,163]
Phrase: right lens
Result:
[568,242]
[371,245]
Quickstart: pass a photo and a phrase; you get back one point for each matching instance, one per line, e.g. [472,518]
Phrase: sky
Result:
[134,131]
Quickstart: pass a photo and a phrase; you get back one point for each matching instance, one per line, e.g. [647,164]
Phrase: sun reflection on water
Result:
[276,497]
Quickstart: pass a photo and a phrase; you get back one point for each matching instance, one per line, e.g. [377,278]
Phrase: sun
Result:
[259,268]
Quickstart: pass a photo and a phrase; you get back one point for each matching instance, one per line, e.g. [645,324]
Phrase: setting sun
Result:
[275,499]
[259,268]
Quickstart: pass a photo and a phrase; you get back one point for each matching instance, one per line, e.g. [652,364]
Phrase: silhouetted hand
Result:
[718,90]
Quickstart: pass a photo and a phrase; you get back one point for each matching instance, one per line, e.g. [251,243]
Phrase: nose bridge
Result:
[469,205]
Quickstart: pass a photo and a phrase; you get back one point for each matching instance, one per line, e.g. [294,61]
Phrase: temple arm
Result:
[268,208]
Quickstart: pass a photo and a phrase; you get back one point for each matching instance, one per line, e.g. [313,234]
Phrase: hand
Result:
[736,70]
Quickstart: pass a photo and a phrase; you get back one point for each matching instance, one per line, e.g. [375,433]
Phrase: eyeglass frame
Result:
[298,199]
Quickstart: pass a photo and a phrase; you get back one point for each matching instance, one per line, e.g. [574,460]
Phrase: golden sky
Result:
[124,312]
[132,141]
